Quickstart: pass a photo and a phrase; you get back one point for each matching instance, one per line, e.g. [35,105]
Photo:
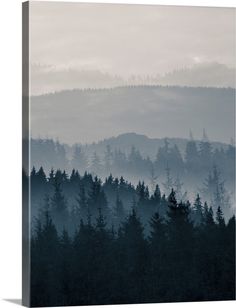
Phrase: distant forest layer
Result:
[145,247]
[187,166]
[86,115]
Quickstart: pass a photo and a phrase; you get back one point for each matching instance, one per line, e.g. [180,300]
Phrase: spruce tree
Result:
[97,200]
[82,203]
[96,165]
[79,161]
[59,209]
[197,211]
[180,234]
[108,159]
[119,212]
[158,256]
[133,260]
[220,218]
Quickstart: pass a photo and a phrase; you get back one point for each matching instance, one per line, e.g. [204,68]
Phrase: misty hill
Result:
[148,147]
[83,116]
[201,75]
[50,79]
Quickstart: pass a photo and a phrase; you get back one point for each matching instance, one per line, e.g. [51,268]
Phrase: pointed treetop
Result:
[33,171]
[172,199]
[220,217]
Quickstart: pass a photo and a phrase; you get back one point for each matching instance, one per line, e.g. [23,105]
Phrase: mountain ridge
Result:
[148,147]
[52,79]
[90,115]
[129,86]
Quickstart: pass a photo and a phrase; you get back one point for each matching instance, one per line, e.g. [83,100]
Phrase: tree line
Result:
[188,254]
[72,197]
[197,159]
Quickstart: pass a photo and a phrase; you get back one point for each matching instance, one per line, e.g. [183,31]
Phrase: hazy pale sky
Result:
[75,45]
[130,39]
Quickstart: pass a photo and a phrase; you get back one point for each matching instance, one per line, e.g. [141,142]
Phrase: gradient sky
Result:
[126,40]
[130,39]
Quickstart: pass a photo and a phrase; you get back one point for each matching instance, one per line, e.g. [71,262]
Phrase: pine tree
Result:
[208,216]
[44,212]
[59,209]
[178,186]
[162,158]
[156,199]
[133,259]
[158,233]
[84,265]
[74,219]
[33,172]
[51,176]
[176,160]
[45,278]
[220,218]
[153,179]
[168,184]
[79,161]
[108,159]
[97,200]
[119,212]
[96,166]
[157,251]
[61,160]
[41,175]
[172,199]
[180,252]
[214,190]
[142,191]
[198,211]
[82,203]
[100,227]
[144,206]
[119,161]
[65,269]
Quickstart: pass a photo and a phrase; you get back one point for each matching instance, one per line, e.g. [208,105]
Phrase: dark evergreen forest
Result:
[110,242]
[193,167]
